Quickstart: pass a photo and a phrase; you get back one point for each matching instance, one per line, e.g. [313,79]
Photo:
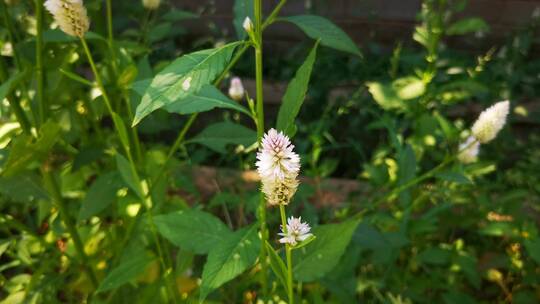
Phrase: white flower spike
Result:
[469,150]
[151,4]
[296,232]
[70,15]
[236,90]
[248,25]
[278,167]
[491,121]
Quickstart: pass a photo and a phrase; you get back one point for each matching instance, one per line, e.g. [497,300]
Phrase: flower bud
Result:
[236,90]
[248,25]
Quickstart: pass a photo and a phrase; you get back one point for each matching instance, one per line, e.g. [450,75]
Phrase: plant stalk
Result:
[42,103]
[288,253]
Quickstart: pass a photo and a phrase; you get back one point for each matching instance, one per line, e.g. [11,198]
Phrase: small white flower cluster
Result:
[485,129]
[151,4]
[236,90]
[296,231]
[70,15]
[278,167]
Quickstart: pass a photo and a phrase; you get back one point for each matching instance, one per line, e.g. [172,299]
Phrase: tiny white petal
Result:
[297,231]
[468,150]
[248,25]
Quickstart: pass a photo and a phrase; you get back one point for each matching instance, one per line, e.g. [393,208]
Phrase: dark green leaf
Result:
[454,176]
[193,230]
[320,256]
[468,25]
[435,256]
[219,135]
[101,194]
[128,175]
[125,272]
[10,84]
[321,28]
[229,258]
[295,94]
[277,265]
[24,188]
[178,15]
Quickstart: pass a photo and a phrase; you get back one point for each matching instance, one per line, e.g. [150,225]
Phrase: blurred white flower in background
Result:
[278,167]
[236,89]
[296,231]
[491,121]
[70,15]
[151,4]
[468,150]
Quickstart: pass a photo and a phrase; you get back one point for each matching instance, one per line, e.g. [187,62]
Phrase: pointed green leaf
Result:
[219,135]
[277,265]
[184,76]
[320,256]
[192,230]
[8,85]
[321,28]
[23,188]
[229,258]
[128,176]
[101,194]
[208,98]
[125,272]
[295,94]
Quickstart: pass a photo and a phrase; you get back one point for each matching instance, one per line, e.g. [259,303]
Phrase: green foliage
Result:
[295,95]
[184,76]
[322,29]
[217,136]
[193,230]
[229,258]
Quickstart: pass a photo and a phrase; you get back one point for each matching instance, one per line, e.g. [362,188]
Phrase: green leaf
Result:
[435,256]
[295,94]
[277,265]
[409,87]
[219,135]
[193,230]
[184,76]
[125,272]
[178,15]
[123,134]
[321,28]
[320,256]
[533,249]
[24,150]
[241,10]
[208,98]
[101,194]
[57,35]
[385,95]
[128,176]
[455,177]
[24,188]
[467,25]
[7,87]
[229,258]
[407,165]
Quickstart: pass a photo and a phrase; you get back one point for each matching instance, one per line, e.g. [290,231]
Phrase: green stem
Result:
[260,132]
[54,189]
[288,253]
[110,35]
[273,15]
[14,102]
[42,105]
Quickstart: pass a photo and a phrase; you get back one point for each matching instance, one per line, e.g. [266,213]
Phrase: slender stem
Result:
[20,115]
[68,221]
[288,253]
[260,132]
[273,15]
[418,179]
[42,104]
